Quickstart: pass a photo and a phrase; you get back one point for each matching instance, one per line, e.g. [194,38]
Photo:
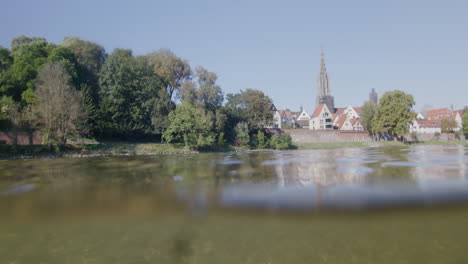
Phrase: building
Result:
[373,97]
[291,119]
[422,126]
[441,113]
[323,87]
[321,119]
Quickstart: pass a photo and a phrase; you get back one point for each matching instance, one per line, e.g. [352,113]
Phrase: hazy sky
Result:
[420,47]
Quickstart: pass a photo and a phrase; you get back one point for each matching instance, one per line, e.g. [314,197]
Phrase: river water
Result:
[366,205]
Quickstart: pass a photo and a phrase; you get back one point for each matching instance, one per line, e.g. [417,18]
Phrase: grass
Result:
[102,149]
[332,145]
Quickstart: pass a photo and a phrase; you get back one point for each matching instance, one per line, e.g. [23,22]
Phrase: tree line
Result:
[76,88]
[394,113]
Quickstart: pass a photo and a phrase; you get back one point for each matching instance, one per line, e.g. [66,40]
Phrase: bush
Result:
[261,140]
[437,135]
[283,141]
[242,134]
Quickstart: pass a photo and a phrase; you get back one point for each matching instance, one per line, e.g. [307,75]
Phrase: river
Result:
[363,205]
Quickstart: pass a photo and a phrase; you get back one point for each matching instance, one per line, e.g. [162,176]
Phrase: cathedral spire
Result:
[323,85]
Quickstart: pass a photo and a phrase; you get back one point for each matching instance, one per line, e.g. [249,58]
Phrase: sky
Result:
[419,47]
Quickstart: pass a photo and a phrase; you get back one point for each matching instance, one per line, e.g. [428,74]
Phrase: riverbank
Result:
[141,149]
[338,145]
[90,150]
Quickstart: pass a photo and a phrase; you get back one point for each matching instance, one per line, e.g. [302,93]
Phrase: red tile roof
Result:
[318,110]
[428,123]
[437,114]
[341,120]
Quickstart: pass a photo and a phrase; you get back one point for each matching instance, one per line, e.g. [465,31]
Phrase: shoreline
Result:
[22,152]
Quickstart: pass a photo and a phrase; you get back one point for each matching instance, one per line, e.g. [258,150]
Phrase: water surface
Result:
[370,205]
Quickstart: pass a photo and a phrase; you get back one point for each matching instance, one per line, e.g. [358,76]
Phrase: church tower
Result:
[323,87]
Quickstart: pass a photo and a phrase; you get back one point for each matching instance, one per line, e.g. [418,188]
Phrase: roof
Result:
[357,109]
[297,114]
[338,112]
[437,114]
[460,112]
[271,107]
[318,110]
[341,120]
[353,121]
[428,123]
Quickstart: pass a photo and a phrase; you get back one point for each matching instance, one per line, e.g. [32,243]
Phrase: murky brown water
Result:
[374,205]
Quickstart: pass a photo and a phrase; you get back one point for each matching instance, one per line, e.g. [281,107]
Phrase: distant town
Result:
[326,116]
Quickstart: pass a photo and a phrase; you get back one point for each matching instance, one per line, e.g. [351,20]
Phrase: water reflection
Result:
[165,181]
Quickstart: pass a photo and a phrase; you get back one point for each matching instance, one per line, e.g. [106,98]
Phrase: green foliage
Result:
[281,142]
[465,121]
[251,106]
[394,113]
[191,125]
[437,135]
[367,115]
[448,124]
[90,58]
[6,103]
[29,55]
[133,100]
[261,140]
[242,134]
[59,105]
[204,91]
[172,69]
[6,60]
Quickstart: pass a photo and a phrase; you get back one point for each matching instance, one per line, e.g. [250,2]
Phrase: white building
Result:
[321,119]
[425,127]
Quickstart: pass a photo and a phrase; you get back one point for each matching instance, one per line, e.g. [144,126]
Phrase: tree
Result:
[261,139]
[204,91]
[29,55]
[174,70]
[252,106]
[368,112]
[394,113]
[132,102]
[465,121]
[89,54]
[242,134]
[5,59]
[90,57]
[448,124]
[191,125]
[58,105]
[25,40]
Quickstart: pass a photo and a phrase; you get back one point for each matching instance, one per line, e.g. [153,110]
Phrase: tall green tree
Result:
[394,113]
[174,70]
[465,121]
[132,102]
[252,106]
[5,59]
[368,113]
[90,57]
[204,91]
[29,55]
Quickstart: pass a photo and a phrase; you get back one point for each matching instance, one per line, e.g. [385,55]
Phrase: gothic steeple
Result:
[322,80]
[323,86]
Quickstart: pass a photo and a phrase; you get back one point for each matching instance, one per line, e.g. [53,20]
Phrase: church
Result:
[326,116]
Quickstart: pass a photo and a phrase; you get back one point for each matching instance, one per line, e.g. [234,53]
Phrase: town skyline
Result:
[416,47]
